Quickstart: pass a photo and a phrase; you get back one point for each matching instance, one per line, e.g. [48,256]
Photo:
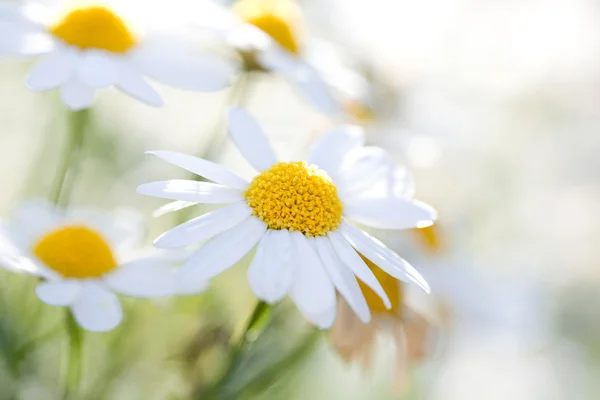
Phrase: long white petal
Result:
[197,192]
[220,253]
[390,212]
[312,289]
[315,90]
[381,256]
[98,69]
[330,150]
[172,207]
[250,139]
[205,226]
[342,278]
[307,79]
[96,309]
[131,82]
[208,169]
[61,293]
[172,63]
[271,272]
[53,70]
[352,260]
[77,95]
[143,278]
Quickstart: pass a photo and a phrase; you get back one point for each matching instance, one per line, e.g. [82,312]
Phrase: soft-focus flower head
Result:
[84,258]
[410,330]
[298,213]
[267,36]
[86,45]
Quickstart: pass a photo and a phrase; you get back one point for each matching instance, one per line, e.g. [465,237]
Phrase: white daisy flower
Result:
[81,256]
[267,36]
[298,213]
[86,45]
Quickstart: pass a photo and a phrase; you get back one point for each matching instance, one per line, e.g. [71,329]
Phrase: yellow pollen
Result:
[296,196]
[75,252]
[392,287]
[277,18]
[430,237]
[94,27]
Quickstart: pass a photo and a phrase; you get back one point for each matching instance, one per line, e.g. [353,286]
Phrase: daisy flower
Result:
[267,36]
[85,45]
[409,330]
[80,255]
[298,215]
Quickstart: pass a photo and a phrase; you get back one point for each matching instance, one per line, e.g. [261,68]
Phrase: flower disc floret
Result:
[297,197]
[75,252]
[94,27]
[277,18]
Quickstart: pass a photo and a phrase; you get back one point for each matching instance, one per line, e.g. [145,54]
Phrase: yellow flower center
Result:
[75,252]
[391,286]
[296,196]
[94,27]
[277,18]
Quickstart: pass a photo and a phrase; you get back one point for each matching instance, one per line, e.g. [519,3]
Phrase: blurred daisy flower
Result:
[410,331]
[85,45]
[298,214]
[267,35]
[80,256]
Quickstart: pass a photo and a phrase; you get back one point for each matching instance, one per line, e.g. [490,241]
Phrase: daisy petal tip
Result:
[425,223]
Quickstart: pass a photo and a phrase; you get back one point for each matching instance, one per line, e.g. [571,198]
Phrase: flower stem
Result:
[73,376]
[68,168]
[258,318]
[260,310]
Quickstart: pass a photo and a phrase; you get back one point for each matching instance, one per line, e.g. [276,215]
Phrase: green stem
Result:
[73,376]
[259,311]
[258,316]
[67,170]
[272,373]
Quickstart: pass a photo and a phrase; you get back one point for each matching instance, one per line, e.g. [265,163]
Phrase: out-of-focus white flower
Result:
[298,213]
[86,45]
[266,33]
[410,330]
[84,257]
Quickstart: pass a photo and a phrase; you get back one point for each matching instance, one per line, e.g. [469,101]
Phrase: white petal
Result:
[172,63]
[306,78]
[204,227]
[220,253]
[76,95]
[352,260]
[194,191]
[331,149]
[381,256]
[390,212]
[53,70]
[270,274]
[208,169]
[363,169]
[131,82]
[312,290]
[98,69]
[62,293]
[143,278]
[250,139]
[18,40]
[96,309]
[172,207]
[342,278]
[315,90]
